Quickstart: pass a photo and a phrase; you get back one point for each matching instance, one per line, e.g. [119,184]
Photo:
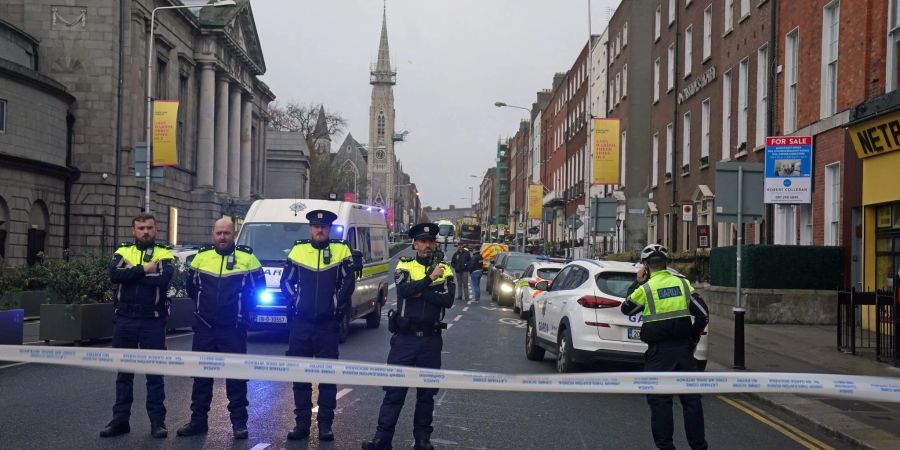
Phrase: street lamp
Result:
[505,105]
[218,3]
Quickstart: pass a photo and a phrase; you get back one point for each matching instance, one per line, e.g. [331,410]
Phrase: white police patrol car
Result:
[578,317]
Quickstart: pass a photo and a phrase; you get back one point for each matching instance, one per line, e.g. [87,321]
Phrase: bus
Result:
[446,232]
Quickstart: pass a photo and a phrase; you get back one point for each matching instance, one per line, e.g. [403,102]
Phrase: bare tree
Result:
[295,117]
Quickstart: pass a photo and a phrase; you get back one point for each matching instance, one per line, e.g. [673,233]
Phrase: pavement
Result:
[811,349]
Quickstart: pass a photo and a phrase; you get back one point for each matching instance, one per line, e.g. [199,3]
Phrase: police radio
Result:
[229,263]
[326,255]
[148,254]
[436,258]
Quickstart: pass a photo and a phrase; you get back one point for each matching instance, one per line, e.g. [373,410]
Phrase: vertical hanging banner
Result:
[605,152]
[165,136]
[535,200]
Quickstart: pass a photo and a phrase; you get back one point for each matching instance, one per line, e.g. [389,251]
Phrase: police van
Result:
[271,228]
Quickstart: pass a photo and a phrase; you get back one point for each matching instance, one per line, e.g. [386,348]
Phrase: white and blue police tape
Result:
[292,369]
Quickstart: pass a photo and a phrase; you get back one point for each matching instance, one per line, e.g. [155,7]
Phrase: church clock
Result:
[379,154]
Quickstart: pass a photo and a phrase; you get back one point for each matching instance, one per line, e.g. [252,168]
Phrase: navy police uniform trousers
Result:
[415,351]
[674,356]
[314,340]
[144,333]
[231,339]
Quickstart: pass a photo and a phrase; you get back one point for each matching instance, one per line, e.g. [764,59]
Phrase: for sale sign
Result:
[788,170]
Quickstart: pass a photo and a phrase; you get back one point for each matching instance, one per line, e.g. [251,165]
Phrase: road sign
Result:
[687,213]
[573,222]
[603,214]
[703,233]
[727,191]
[788,170]
[140,165]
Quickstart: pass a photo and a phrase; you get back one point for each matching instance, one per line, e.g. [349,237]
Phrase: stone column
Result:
[246,119]
[221,145]
[234,142]
[206,128]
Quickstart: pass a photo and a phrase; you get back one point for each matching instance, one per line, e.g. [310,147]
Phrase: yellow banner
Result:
[535,201]
[605,151]
[877,136]
[165,136]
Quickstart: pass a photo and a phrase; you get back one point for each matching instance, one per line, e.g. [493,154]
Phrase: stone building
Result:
[352,158]
[36,175]
[287,165]
[382,163]
[207,59]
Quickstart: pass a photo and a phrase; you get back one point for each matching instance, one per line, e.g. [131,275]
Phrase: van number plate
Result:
[634,333]
[271,319]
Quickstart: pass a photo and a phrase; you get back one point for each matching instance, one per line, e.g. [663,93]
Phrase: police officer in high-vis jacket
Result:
[222,281]
[318,278]
[425,288]
[674,318]
[142,270]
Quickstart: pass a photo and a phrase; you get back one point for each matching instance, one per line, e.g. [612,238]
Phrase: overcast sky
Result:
[454,59]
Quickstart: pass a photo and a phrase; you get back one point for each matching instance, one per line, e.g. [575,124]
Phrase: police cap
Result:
[321,217]
[424,231]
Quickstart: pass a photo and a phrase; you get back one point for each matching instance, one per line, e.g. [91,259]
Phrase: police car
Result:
[271,228]
[578,317]
[536,272]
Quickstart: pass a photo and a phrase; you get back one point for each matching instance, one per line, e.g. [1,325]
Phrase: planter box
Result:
[76,322]
[29,301]
[181,313]
[11,326]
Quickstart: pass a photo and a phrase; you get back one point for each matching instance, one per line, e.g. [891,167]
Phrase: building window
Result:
[686,143]
[805,223]
[623,163]
[624,34]
[762,98]
[729,16]
[2,116]
[704,134]
[625,80]
[707,32]
[745,8]
[656,80]
[832,204]
[654,167]
[182,106]
[893,47]
[688,49]
[618,44]
[671,64]
[830,31]
[672,12]
[670,147]
[743,92]
[657,23]
[381,125]
[618,88]
[791,52]
[726,116]
[162,85]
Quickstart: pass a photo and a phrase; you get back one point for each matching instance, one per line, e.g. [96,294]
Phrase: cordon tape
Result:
[293,369]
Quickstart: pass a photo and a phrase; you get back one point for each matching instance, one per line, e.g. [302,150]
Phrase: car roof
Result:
[548,264]
[604,265]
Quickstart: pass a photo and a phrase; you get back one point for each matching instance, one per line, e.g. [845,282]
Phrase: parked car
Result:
[492,271]
[489,252]
[578,317]
[541,270]
[506,273]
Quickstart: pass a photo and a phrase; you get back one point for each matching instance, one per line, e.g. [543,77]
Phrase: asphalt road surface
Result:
[57,407]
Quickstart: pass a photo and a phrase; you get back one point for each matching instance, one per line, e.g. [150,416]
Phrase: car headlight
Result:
[507,288]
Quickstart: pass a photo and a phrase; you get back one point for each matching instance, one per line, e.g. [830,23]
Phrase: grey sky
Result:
[454,59]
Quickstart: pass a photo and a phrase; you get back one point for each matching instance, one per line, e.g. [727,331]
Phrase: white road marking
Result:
[489,308]
[466,308]
[14,365]
[392,286]
[456,319]
[340,394]
[260,446]
[449,325]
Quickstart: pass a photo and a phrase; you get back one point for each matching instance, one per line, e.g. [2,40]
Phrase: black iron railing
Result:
[869,321]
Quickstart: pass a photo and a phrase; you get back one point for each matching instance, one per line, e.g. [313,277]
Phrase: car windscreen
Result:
[445,230]
[548,273]
[518,263]
[615,283]
[272,241]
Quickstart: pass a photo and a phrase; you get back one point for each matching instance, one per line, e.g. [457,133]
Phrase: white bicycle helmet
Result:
[654,250]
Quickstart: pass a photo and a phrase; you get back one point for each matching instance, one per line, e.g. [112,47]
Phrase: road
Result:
[64,408]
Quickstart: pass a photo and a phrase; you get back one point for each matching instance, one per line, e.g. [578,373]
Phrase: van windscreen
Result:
[272,241]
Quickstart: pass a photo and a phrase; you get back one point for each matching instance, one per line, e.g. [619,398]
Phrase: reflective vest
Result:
[664,296]
[223,285]
[140,294]
[318,281]
[416,308]
[417,271]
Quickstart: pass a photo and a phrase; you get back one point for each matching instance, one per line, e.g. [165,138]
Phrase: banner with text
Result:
[605,152]
[535,200]
[165,133]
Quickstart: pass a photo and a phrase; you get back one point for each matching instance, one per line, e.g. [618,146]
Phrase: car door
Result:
[568,295]
[522,287]
[547,319]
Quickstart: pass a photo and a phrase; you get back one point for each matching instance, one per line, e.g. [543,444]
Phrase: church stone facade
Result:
[382,161]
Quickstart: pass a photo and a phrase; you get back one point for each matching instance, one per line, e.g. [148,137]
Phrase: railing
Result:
[867,321]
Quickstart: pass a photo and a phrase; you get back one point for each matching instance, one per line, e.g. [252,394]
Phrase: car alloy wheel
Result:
[564,363]
[533,351]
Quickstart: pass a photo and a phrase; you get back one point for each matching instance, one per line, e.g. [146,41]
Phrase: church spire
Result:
[382,73]
[321,130]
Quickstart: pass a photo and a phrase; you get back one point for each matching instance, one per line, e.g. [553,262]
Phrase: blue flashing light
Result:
[340,229]
[265,297]
[369,209]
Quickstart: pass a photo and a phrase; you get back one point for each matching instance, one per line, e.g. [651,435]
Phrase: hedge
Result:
[694,265]
[779,267]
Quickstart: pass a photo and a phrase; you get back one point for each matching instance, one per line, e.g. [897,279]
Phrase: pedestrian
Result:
[460,264]
[425,288]
[669,305]
[318,278]
[475,267]
[142,271]
[222,281]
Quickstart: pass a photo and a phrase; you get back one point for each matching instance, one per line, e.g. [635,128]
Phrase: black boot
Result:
[325,433]
[240,432]
[298,433]
[376,444]
[115,429]
[159,431]
[423,444]
[193,429]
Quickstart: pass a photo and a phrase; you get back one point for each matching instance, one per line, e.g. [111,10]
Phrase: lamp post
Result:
[147,135]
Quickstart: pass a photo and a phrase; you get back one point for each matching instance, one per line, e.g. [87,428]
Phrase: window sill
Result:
[707,58]
[727,32]
[656,101]
[744,18]
[670,89]
[656,39]
[740,154]
[687,75]
[759,148]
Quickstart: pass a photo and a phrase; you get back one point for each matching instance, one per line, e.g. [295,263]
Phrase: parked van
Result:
[271,228]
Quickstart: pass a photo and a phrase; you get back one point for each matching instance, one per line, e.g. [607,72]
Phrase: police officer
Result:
[319,279]
[222,280]
[425,288]
[668,304]
[142,270]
